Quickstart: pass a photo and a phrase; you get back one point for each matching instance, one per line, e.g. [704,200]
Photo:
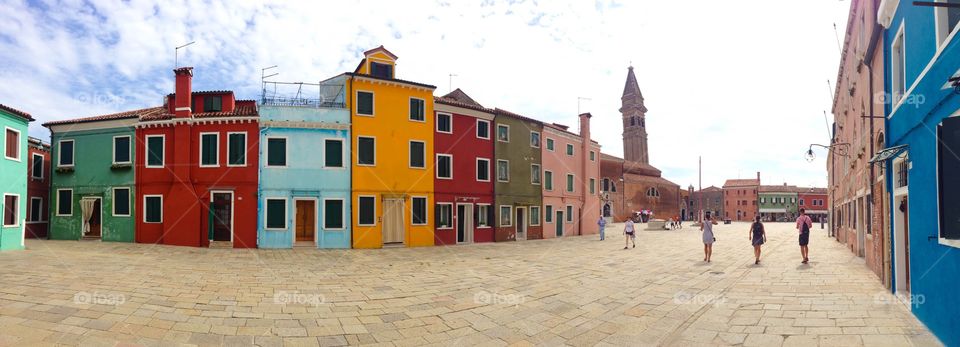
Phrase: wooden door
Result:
[96,220]
[393,227]
[306,220]
[222,216]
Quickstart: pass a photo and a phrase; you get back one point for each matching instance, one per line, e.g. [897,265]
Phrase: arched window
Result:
[633,121]
[653,192]
[606,184]
[613,187]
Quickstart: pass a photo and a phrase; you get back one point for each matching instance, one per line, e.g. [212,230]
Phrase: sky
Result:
[742,84]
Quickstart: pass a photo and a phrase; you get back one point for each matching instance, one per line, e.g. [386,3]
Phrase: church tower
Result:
[634,121]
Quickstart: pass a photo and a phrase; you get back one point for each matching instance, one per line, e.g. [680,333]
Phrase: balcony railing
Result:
[301,94]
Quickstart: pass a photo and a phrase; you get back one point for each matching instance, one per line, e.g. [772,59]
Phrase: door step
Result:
[221,244]
[90,238]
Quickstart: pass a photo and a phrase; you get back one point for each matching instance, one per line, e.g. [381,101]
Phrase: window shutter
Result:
[491,219]
[436,215]
[476,215]
[949,137]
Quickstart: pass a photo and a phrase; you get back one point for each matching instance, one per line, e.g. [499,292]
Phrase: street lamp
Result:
[841,150]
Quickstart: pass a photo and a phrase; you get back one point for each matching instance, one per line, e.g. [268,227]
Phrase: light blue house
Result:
[304,193]
[13,176]
[922,159]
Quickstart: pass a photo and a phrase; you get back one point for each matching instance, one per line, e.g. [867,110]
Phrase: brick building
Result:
[740,199]
[712,201]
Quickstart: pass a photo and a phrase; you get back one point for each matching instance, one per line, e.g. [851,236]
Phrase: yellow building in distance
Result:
[392,154]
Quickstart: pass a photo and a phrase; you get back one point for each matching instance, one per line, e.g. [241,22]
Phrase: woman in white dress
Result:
[706,226]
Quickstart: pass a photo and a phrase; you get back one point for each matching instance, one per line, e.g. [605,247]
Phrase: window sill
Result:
[949,243]
[64,170]
[121,166]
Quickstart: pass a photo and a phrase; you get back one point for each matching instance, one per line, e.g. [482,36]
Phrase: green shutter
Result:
[155,151]
[208,143]
[153,209]
[66,153]
[121,201]
[237,149]
[333,214]
[333,153]
[276,152]
[276,213]
[64,201]
[548,217]
[416,154]
[364,103]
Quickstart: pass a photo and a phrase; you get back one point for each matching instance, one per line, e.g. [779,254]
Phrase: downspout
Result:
[348,102]
[868,64]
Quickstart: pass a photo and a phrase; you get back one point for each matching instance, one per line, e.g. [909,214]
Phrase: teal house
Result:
[92,183]
[778,203]
[13,175]
[304,192]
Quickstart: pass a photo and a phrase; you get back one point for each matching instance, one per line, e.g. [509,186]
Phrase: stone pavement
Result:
[574,291]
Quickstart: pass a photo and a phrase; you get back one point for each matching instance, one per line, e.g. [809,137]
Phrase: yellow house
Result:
[392,155]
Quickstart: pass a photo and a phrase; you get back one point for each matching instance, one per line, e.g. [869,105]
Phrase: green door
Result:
[559,223]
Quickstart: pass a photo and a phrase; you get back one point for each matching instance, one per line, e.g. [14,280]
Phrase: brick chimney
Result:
[183,90]
[758,176]
[585,126]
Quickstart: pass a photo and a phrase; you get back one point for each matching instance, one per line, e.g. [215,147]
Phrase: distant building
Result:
[38,189]
[778,203]
[740,199]
[711,199]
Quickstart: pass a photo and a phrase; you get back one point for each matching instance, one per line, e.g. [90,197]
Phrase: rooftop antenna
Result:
[176,54]
[450,81]
[837,37]
[263,82]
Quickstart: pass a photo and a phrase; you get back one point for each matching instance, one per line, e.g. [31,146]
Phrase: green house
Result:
[518,174]
[13,174]
[778,203]
[92,185]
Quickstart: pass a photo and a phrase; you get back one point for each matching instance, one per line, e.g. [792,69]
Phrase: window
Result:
[419,210]
[548,180]
[153,209]
[606,185]
[276,152]
[548,217]
[898,68]
[36,210]
[212,104]
[593,183]
[381,70]
[366,151]
[534,215]
[570,183]
[121,149]
[236,149]
[569,214]
[417,110]
[276,214]
[593,156]
[121,202]
[417,153]
[444,216]
[506,215]
[65,153]
[64,202]
[155,155]
[483,170]
[947,19]
[569,149]
[11,210]
[534,173]
[333,214]
[444,123]
[444,166]
[483,129]
[654,193]
[209,152]
[503,133]
[613,186]
[503,171]
[483,216]
[550,144]
[366,210]
[948,136]
[365,103]
[12,141]
[763,200]
[36,167]
[332,153]
[534,139]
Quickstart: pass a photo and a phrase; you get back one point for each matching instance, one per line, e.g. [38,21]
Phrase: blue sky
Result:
[742,83]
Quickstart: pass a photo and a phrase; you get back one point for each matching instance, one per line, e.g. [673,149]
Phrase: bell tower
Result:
[634,121]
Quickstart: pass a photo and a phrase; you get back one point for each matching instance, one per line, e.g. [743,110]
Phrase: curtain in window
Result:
[86,211]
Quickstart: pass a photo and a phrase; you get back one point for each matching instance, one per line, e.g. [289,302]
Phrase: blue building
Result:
[304,166]
[922,159]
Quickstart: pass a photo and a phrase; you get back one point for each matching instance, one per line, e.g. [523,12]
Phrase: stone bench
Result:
[656,224]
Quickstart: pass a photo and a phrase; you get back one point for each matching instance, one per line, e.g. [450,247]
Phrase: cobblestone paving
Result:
[574,291]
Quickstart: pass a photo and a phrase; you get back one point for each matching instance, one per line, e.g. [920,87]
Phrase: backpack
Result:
[804,227]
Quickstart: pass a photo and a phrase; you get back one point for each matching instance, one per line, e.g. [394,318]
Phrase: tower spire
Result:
[633,112]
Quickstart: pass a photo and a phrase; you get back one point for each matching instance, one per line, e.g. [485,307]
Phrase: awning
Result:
[887,153]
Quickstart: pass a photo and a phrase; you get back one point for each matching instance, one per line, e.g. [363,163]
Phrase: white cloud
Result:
[741,83]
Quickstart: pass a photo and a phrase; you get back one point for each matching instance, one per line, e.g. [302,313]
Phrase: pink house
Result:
[571,170]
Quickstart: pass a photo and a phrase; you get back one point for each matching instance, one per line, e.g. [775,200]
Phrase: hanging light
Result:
[810,156]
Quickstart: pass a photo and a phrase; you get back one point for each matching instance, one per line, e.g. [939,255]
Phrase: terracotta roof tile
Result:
[17,112]
[145,112]
[502,112]
[239,111]
[752,182]
[354,74]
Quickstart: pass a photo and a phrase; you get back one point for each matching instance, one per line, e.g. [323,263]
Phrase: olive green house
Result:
[778,203]
[518,194]
[13,176]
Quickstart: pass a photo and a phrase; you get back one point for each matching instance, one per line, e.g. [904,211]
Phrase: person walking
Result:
[602,223]
[630,233]
[706,226]
[758,236]
[679,222]
[804,223]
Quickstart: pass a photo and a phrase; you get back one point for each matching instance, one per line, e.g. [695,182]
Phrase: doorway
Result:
[902,247]
[221,211]
[393,225]
[559,223]
[464,223]
[305,222]
[92,211]
[860,216]
[521,223]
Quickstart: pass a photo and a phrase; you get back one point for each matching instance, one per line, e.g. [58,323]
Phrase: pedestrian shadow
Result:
[804,267]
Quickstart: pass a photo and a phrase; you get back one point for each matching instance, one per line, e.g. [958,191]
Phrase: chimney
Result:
[183,89]
[585,127]
[758,176]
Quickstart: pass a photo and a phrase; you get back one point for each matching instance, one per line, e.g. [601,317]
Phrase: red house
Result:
[463,187]
[38,189]
[197,169]
[815,201]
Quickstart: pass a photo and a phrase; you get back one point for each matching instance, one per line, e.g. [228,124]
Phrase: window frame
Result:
[450,122]
[509,216]
[437,166]
[547,212]
[571,183]
[423,110]
[534,222]
[426,209]
[286,150]
[548,183]
[30,210]
[145,210]
[483,210]
[593,186]
[568,218]
[360,214]
[410,154]
[943,33]
[898,74]
[538,179]
[343,214]
[374,138]
[593,156]
[216,143]
[477,171]
[266,213]
[373,103]
[538,137]
[129,150]
[58,214]
[16,208]
[449,206]
[163,151]
[19,156]
[43,166]
[506,126]
[550,145]
[570,150]
[208,103]
[477,131]
[242,150]
[343,163]
[507,180]
[113,202]
[73,153]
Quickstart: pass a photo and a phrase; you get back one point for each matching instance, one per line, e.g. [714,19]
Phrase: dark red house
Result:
[38,189]
[463,178]
[815,201]
[197,169]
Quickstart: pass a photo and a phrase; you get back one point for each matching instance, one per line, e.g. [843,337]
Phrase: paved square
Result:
[575,291]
